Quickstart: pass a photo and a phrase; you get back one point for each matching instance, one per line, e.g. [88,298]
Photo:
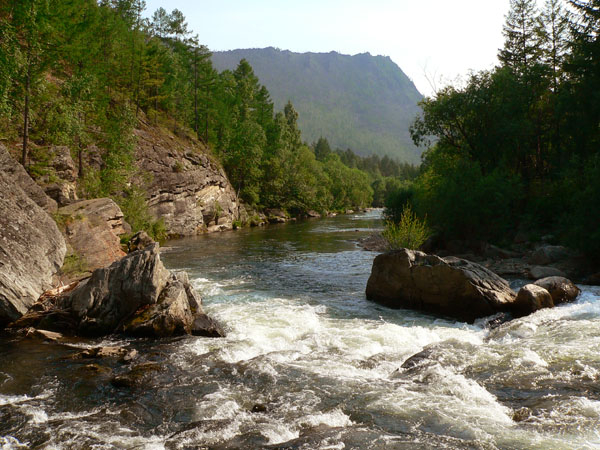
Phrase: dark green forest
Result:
[516,149]
[82,73]
[363,102]
[512,150]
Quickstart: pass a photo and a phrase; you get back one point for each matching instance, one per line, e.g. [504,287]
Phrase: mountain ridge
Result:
[361,101]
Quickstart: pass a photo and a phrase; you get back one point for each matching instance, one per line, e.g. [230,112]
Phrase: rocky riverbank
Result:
[109,291]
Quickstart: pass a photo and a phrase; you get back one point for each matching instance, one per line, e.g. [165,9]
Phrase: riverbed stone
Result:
[530,299]
[561,289]
[449,286]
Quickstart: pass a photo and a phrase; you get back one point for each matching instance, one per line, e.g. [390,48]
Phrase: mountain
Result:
[362,102]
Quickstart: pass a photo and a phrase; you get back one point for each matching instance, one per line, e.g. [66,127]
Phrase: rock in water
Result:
[561,289]
[114,293]
[530,299]
[537,272]
[170,315]
[32,250]
[448,286]
[138,296]
[139,241]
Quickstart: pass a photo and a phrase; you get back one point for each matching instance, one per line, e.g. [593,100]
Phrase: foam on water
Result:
[307,359]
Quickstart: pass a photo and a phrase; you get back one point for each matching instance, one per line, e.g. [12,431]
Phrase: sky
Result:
[435,42]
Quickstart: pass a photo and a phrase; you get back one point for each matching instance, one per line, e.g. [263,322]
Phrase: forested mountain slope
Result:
[362,102]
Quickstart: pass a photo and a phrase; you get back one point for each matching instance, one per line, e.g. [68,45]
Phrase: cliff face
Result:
[32,248]
[186,188]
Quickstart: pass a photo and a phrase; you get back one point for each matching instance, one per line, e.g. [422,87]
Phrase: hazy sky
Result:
[438,40]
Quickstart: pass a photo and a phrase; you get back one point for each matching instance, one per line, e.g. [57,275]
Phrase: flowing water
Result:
[309,363]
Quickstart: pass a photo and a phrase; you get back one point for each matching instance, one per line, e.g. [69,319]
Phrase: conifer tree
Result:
[555,37]
[521,32]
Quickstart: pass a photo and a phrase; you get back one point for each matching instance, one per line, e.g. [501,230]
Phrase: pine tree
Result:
[521,32]
[30,20]
[555,37]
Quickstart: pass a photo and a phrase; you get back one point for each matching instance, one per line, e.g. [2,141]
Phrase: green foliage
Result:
[361,102]
[136,213]
[517,147]
[74,265]
[95,68]
[409,232]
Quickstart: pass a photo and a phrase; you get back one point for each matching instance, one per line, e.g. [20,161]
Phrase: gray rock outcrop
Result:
[448,286]
[115,293]
[61,186]
[188,190]
[136,295]
[21,178]
[32,248]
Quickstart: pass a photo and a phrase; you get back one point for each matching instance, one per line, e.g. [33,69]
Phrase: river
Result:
[309,363]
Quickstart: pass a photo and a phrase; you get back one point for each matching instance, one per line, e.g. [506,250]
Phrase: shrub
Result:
[410,232]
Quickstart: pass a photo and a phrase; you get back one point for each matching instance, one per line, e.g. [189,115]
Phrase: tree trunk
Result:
[196,93]
[26,116]
[206,119]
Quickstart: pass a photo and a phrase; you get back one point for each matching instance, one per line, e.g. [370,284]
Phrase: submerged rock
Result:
[122,354]
[448,286]
[137,376]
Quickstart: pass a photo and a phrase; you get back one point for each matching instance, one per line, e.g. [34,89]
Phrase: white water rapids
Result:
[309,363]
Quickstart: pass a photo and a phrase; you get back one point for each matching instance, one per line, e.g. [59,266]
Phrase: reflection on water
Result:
[309,363]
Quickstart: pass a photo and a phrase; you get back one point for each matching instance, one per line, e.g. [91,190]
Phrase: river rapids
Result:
[309,363]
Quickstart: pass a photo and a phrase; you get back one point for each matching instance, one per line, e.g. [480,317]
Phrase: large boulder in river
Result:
[139,296]
[32,249]
[530,299]
[115,293]
[561,289]
[186,188]
[447,286]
